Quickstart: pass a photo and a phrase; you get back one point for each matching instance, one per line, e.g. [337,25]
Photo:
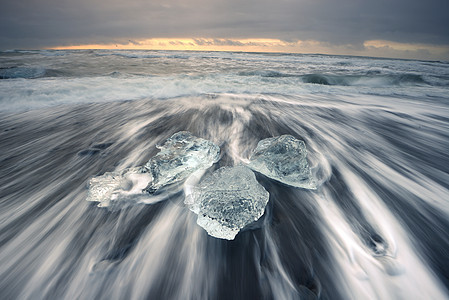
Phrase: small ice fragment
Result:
[283,158]
[228,200]
[181,155]
[116,186]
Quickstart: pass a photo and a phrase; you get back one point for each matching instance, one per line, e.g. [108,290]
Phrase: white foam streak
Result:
[274,274]
[158,245]
[400,274]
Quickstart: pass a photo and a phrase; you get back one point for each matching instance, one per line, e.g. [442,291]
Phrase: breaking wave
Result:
[22,72]
[365,80]
[265,73]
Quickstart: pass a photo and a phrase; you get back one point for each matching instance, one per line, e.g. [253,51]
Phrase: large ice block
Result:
[228,200]
[181,155]
[283,158]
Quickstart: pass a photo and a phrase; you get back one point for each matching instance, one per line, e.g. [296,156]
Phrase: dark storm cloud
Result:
[40,23]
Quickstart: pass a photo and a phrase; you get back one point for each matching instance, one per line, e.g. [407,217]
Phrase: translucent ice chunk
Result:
[283,158]
[228,200]
[117,186]
[181,155]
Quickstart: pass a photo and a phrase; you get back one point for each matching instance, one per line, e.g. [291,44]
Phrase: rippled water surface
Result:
[377,135]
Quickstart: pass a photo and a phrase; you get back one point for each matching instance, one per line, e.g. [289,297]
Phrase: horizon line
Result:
[371,48]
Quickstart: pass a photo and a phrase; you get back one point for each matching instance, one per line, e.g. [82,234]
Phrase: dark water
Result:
[376,227]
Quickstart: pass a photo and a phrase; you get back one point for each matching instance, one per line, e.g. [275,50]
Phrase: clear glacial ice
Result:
[113,187]
[228,200]
[283,158]
[180,156]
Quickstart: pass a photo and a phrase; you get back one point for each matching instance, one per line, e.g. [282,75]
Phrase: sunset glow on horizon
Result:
[379,48]
[200,44]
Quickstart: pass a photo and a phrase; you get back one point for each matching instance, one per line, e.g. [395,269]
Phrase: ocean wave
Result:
[142,54]
[42,78]
[20,51]
[316,79]
[31,73]
[266,73]
[52,53]
[17,95]
[22,72]
[127,54]
[373,79]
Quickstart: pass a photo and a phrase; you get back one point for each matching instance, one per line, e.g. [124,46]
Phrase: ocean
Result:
[377,137]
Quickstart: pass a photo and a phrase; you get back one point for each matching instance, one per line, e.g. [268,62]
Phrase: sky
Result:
[387,28]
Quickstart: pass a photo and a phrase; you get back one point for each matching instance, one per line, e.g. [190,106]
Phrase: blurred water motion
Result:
[375,228]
